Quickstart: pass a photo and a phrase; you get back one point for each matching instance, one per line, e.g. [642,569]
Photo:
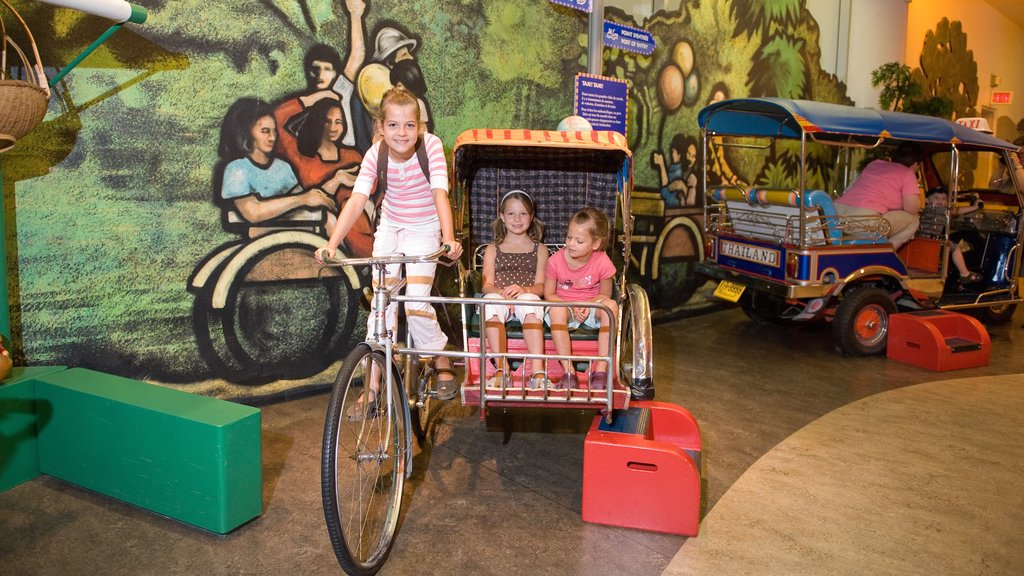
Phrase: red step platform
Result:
[938,340]
[643,471]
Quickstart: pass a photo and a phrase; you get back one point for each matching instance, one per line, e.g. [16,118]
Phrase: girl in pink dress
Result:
[581,272]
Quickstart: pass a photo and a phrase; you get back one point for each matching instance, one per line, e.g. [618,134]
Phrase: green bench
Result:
[193,458]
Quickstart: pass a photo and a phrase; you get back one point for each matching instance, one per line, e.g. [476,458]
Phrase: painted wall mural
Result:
[160,222]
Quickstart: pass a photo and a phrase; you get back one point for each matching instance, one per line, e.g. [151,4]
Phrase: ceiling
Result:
[1012,9]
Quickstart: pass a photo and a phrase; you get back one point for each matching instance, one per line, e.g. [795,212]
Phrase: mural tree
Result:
[948,68]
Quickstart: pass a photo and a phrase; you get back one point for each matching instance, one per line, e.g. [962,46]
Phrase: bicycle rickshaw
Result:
[784,254]
[367,450]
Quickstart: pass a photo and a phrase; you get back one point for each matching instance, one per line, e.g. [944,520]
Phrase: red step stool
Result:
[643,471]
[938,340]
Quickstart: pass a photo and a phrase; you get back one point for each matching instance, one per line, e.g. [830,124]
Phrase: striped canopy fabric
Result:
[561,171]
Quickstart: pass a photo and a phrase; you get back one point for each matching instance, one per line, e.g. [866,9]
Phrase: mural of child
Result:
[255,183]
[325,162]
[678,179]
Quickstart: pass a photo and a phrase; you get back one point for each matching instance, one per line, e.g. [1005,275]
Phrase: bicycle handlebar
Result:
[386,260]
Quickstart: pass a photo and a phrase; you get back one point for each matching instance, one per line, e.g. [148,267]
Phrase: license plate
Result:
[730,291]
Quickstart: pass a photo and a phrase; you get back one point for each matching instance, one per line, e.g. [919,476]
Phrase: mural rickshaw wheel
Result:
[279,318]
[417,377]
[674,260]
[763,308]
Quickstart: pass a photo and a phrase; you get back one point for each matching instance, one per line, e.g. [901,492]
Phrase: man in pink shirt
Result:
[888,189]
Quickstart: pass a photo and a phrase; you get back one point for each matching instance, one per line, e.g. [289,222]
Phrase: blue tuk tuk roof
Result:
[787,118]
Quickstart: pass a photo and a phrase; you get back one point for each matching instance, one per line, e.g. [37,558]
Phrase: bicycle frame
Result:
[381,339]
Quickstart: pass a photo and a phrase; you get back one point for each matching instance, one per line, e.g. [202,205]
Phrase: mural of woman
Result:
[326,163]
[255,183]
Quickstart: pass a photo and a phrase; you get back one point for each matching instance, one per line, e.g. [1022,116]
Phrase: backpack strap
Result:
[382,163]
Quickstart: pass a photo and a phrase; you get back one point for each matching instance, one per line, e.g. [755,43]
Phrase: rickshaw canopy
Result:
[562,170]
[785,118]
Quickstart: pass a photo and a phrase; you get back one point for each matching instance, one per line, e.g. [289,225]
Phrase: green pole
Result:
[5,305]
[138,16]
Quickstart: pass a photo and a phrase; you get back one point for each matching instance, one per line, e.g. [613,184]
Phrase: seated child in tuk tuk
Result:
[933,225]
[581,271]
[514,270]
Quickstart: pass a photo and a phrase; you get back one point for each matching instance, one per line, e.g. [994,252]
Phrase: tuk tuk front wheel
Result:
[861,323]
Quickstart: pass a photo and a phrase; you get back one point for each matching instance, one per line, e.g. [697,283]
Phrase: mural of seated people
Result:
[324,162]
[678,179]
[263,310]
[256,187]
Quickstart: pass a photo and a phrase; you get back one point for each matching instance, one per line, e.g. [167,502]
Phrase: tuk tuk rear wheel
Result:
[999,314]
[861,323]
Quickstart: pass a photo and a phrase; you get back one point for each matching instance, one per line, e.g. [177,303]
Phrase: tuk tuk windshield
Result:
[982,171]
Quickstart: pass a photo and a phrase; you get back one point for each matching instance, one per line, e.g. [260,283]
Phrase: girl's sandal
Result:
[363,409]
[498,380]
[539,381]
[447,388]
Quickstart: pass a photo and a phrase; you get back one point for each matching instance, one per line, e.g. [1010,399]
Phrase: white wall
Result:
[878,35]
[833,18]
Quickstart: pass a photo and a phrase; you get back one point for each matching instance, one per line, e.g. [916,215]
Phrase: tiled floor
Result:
[478,505]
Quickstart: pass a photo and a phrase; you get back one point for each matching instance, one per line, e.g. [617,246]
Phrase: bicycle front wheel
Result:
[363,463]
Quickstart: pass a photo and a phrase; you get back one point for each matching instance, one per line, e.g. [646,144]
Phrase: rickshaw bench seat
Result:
[514,329]
[515,346]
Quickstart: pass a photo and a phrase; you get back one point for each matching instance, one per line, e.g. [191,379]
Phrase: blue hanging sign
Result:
[628,38]
[581,5]
[602,101]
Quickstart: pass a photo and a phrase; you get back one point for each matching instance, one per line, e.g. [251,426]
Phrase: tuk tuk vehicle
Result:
[783,253]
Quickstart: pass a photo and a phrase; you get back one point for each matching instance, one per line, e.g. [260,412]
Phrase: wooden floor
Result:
[478,505]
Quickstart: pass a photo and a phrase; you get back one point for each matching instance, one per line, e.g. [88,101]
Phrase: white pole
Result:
[117,10]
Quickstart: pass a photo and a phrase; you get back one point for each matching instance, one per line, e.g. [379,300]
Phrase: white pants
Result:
[521,312]
[426,332]
[902,225]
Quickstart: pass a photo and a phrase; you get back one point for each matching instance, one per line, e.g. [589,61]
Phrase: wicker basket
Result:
[23,103]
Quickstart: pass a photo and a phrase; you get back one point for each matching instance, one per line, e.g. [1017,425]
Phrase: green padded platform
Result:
[20,418]
[194,458]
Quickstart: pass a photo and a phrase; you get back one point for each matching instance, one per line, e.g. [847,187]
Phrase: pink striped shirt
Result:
[409,201]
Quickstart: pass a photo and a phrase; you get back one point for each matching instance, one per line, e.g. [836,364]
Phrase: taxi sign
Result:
[730,291]
[979,124]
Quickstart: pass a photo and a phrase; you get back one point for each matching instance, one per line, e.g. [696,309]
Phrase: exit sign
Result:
[1002,97]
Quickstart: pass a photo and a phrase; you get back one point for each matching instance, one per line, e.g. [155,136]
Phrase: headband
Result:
[511,192]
